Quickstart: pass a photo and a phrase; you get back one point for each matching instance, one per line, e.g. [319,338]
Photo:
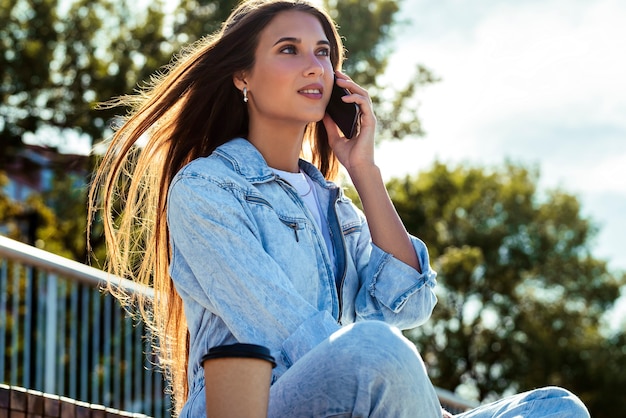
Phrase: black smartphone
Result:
[345,115]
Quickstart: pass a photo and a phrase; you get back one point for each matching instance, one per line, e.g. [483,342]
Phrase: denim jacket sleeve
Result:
[388,289]
[404,298]
[220,268]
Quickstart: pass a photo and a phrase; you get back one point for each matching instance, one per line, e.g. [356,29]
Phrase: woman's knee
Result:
[548,401]
[561,399]
[389,372]
[377,346]
[365,369]
[371,334]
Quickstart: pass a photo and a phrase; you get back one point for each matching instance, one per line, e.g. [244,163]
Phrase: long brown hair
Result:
[185,112]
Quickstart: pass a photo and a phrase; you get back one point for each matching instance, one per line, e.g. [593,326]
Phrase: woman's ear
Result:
[239,80]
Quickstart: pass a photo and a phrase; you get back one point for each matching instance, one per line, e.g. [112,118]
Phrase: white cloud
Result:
[523,60]
[608,175]
[538,82]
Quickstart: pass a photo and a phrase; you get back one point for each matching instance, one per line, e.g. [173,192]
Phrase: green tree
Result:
[59,58]
[522,299]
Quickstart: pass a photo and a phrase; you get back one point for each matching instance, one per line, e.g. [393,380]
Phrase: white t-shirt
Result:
[305,188]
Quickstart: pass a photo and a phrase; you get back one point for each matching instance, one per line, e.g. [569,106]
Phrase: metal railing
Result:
[60,334]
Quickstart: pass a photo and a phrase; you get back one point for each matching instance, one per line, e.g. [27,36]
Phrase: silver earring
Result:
[245,95]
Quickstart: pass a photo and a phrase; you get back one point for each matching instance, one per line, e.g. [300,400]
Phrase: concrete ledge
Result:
[17,402]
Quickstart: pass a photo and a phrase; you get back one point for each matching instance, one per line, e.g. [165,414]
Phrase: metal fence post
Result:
[51,328]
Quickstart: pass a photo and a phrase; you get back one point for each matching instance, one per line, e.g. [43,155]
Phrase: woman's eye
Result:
[324,52]
[289,49]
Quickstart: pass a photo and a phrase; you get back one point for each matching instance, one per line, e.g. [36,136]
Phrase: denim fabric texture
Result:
[366,369]
[553,402]
[252,266]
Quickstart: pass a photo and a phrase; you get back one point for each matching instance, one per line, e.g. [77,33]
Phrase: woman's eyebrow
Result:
[298,40]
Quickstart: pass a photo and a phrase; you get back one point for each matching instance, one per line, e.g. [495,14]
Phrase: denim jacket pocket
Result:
[293,224]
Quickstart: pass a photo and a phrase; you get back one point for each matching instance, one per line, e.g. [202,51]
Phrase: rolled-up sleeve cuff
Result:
[404,281]
[309,334]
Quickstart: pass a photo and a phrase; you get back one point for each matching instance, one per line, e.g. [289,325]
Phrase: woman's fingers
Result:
[353,87]
[358,95]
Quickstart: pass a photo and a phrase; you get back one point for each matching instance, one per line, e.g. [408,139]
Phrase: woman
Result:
[244,241]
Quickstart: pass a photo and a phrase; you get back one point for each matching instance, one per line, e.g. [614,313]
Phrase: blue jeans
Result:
[553,402]
[369,369]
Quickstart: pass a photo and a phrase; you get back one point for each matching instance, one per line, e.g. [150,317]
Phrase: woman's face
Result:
[292,77]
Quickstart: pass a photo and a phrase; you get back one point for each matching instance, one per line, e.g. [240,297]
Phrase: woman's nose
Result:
[314,65]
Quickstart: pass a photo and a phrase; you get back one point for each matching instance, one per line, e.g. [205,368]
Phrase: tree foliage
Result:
[522,299]
[59,58]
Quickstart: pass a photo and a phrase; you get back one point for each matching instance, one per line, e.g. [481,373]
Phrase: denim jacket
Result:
[251,264]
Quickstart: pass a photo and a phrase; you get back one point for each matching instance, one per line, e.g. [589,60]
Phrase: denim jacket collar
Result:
[248,162]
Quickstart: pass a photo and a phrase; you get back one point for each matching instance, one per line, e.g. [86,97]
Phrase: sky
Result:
[538,82]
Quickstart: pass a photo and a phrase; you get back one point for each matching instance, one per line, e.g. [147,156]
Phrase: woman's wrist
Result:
[367,171]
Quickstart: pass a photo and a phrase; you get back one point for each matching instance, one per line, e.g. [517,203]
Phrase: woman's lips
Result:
[312,92]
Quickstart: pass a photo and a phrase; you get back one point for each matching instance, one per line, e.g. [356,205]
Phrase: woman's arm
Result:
[357,156]
[386,228]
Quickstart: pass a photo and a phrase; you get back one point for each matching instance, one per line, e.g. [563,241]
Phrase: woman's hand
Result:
[358,151]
